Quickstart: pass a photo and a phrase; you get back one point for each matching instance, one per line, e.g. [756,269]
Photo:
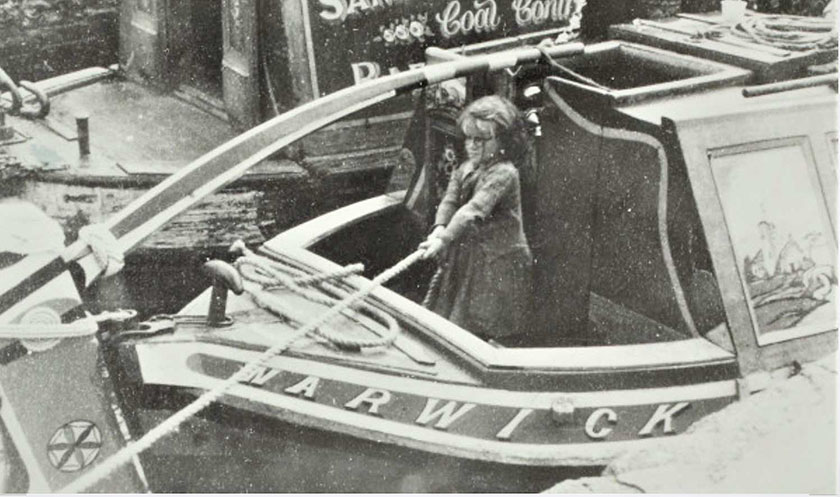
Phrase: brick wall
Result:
[44,38]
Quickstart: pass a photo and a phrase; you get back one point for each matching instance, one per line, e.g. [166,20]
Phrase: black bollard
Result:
[84,135]
[224,277]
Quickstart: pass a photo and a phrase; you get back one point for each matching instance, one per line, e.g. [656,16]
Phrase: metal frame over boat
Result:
[650,308]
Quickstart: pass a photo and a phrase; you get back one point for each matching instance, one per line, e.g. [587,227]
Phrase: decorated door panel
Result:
[766,200]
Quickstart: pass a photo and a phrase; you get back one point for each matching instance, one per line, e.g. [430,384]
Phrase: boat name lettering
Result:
[591,428]
[366,71]
[259,376]
[306,387]
[484,18]
[335,11]
[664,414]
[507,431]
[445,415]
[375,397]
[440,414]
[535,12]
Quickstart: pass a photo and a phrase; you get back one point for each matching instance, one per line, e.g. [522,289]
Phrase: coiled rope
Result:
[266,275]
[125,455]
[793,33]
[789,32]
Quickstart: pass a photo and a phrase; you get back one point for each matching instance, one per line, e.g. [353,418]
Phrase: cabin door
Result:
[239,61]
[142,39]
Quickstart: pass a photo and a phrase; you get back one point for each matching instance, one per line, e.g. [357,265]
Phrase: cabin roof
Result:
[724,102]
[686,33]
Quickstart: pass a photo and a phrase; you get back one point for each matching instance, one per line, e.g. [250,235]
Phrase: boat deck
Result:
[689,34]
[133,130]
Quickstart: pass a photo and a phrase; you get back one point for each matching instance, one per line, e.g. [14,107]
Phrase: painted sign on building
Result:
[352,41]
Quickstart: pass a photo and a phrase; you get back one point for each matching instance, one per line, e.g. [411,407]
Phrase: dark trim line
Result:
[31,283]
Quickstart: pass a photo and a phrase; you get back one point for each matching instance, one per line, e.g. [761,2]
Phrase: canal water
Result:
[162,282]
[154,284]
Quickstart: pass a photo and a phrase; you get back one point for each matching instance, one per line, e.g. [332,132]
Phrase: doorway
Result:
[200,65]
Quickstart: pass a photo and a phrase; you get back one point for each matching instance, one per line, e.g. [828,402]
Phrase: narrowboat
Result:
[193,74]
[682,221]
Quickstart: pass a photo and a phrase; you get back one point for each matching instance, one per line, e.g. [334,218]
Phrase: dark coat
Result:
[486,282]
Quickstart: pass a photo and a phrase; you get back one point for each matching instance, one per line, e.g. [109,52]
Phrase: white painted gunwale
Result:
[292,244]
[165,364]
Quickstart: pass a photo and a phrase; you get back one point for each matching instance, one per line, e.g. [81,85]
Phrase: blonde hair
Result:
[508,125]
[497,110]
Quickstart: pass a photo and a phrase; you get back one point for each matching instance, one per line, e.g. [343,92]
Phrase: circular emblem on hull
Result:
[40,315]
[74,446]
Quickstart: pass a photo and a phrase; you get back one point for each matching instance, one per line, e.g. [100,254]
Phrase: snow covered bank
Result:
[781,439]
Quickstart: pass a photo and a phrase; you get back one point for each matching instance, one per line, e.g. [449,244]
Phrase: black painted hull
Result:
[228,450]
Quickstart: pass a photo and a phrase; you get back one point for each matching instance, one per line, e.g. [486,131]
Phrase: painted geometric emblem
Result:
[74,446]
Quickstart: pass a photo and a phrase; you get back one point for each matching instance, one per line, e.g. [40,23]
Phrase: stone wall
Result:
[44,38]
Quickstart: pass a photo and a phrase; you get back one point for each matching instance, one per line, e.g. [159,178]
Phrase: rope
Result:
[272,274]
[14,92]
[125,455]
[580,77]
[793,33]
[789,33]
[268,275]
[41,328]
[43,331]
[105,247]
[434,288]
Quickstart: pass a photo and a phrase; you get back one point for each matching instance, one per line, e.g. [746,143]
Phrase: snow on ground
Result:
[782,439]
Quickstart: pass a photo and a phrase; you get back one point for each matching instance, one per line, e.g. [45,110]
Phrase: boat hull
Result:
[58,428]
[228,450]
[300,425]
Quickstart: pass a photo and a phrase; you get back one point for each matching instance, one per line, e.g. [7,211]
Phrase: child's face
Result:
[480,142]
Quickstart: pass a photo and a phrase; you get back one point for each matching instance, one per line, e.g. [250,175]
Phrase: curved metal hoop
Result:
[43,107]
[17,100]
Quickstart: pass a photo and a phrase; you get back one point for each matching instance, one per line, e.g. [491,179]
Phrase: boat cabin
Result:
[656,207]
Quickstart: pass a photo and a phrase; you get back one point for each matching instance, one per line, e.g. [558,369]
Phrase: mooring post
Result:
[224,277]
[83,133]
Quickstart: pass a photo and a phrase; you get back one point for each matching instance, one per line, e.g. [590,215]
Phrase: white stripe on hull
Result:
[162,364]
[165,364]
